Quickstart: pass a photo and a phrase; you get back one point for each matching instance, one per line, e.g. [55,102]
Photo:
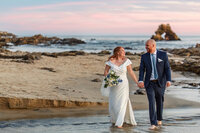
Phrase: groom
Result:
[157,71]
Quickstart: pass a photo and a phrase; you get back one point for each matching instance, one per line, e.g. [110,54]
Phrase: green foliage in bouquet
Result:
[111,79]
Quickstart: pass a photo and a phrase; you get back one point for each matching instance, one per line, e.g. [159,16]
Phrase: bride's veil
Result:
[105,91]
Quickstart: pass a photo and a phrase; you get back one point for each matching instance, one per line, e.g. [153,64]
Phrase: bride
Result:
[120,108]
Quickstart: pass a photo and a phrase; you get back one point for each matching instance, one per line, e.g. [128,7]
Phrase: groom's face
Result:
[149,47]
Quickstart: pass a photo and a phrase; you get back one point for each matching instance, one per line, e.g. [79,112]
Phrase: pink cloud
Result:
[127,22]
[57,5]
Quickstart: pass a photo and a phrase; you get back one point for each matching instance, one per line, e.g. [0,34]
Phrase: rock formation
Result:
[188,64]
[165,29]
[189,59]
[6,38]
[26,57]
[192,51]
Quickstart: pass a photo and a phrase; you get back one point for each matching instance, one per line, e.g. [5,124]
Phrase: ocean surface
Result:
[98,43]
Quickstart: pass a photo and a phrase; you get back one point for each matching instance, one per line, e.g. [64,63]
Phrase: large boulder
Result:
[198,45]
[188,64]
[188,59]
[5,38]
[70,41]
[4,34]
[165,29]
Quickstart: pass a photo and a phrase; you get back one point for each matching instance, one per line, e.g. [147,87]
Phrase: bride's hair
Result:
[115,51]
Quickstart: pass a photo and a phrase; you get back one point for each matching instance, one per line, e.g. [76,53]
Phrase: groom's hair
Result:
[152,41]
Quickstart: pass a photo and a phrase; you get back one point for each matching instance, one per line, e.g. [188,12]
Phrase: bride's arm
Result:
[132,74]
[106,70]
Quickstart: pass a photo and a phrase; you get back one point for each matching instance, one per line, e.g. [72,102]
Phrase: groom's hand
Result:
[168,84]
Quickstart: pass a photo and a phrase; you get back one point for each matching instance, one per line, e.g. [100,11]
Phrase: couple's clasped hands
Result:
[141,84]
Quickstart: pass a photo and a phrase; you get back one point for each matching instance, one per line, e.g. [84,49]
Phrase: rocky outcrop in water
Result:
[6,38]
[104,52]
[165,29]
[192,51]
[198,45]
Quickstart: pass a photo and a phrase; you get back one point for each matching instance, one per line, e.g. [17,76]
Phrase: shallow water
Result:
[136,43]
[182,120]
[185,91]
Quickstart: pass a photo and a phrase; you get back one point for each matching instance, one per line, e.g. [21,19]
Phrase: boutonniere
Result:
[160,60]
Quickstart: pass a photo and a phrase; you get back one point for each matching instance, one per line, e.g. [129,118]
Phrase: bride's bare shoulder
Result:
[111,59]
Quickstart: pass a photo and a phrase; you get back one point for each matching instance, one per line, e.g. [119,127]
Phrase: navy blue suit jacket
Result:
[162,65]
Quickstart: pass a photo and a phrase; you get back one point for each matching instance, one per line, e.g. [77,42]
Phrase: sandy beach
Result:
[63,86]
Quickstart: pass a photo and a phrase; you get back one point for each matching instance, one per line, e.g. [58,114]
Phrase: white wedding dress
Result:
[120,108]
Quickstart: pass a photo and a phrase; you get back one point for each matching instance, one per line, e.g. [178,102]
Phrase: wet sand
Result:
[138,102]
[178,120]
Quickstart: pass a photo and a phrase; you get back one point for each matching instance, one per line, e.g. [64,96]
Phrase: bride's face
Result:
[122,52]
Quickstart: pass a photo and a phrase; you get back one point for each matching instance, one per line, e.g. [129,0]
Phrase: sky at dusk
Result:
[98,17]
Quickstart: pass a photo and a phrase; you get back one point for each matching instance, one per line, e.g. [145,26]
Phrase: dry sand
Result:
[26,90]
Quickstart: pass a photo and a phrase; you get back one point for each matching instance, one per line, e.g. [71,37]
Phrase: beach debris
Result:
[66,53]
[136,68]
[96,80]
[70,53]
[99,74]
[48,68]
[166,31]
[32,56]
[194,84]
[104,52]
[140,91]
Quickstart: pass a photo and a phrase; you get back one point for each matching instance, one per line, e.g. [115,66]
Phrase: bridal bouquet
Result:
[111,79]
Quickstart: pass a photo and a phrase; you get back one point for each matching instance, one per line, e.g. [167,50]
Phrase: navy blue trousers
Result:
[155,96]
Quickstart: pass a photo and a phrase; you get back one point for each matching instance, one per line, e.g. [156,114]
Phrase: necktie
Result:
[154,66]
